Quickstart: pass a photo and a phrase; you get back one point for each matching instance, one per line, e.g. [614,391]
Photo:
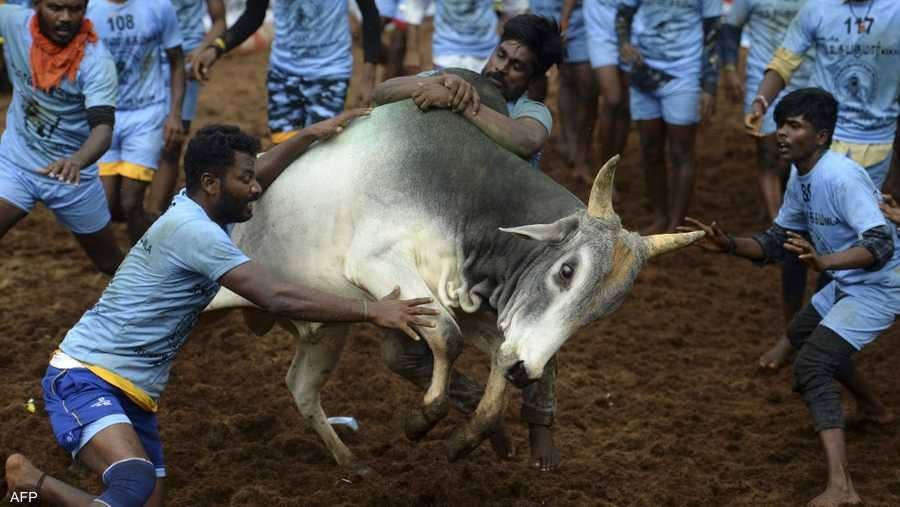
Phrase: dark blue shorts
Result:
[81,404]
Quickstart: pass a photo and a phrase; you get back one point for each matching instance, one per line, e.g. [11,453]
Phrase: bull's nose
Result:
[517,375]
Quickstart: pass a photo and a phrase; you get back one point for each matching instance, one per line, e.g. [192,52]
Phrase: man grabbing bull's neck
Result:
[529,46]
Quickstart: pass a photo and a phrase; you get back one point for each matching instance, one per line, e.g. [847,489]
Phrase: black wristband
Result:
[732,244]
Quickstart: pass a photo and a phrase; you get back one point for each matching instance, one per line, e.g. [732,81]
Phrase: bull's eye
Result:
[566,272]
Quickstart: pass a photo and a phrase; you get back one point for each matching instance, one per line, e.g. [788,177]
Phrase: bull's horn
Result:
[600,202]
[659,244]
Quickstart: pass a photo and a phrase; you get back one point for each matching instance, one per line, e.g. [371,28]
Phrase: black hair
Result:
[212,151]
[815,105]
[539,34]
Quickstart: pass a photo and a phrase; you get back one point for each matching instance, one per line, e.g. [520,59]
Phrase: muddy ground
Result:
[660,404]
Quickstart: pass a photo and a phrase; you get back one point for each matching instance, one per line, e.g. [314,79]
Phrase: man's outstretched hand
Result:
[404,314]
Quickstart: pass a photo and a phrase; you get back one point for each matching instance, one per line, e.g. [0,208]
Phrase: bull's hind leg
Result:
[309,371]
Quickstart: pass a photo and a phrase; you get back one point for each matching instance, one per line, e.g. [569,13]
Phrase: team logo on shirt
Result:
[855,81]
[299,18]
[806,191]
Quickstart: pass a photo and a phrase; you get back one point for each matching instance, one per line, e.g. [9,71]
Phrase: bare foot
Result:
[835,497]
[501,442]
[778,356]
[21,475]
[544,453]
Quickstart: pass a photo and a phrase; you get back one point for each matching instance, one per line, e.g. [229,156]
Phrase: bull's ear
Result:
[554,232]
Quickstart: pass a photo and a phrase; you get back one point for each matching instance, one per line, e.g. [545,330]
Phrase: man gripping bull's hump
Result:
[103,384]
[529,46]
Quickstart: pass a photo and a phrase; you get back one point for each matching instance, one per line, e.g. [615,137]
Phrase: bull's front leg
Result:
[410,359]
[445,344]
[469,436]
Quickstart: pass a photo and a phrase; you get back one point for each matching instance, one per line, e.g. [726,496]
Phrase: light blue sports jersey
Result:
[152,303]
[553,9]
[768,22]
[24,3]
[671,34]
[43,127]
[525,107]
[312,39]
[190,22]
[836,202]
[859,63]
[135,33]
[465,27]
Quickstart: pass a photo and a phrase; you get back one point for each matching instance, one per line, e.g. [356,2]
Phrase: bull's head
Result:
[589,264]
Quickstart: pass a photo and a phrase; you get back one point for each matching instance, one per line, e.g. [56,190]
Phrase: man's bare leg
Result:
[586,117]
[115,443]
[9,217]
[102,248]
[770,174]
[653,159]
[869,408]
[840,488]
[544,453]
[684,171]
[132,201]
[568,112]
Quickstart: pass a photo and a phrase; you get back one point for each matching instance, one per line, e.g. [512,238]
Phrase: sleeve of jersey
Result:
[797,41]
[99,80]
[171,34]
[857,205]
[203,247]
[536,111]
[738,14]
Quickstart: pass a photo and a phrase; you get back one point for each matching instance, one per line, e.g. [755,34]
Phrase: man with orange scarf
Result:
[59,122]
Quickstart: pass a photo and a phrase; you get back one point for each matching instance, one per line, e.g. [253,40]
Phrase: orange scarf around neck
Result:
[50,63]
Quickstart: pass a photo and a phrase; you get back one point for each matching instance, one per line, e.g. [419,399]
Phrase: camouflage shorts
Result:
[296,102]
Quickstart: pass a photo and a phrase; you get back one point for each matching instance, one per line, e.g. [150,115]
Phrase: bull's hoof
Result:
[462,442]
[420,421]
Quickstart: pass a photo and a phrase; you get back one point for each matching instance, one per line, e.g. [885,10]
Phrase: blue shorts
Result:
[191,91]
[858,313]
[81,404]
[137,137]
[577,48]
[676,102]
[296,102]
[81,208]
[602,44]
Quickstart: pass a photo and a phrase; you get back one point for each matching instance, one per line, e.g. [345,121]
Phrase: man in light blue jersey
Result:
[768,22]
[103,385]
[58,124]
[577,89]
[832,199]
[857,59]
[674,77]
[136,33]
[310,62]
[612,82]
[194,39]
[529,46]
